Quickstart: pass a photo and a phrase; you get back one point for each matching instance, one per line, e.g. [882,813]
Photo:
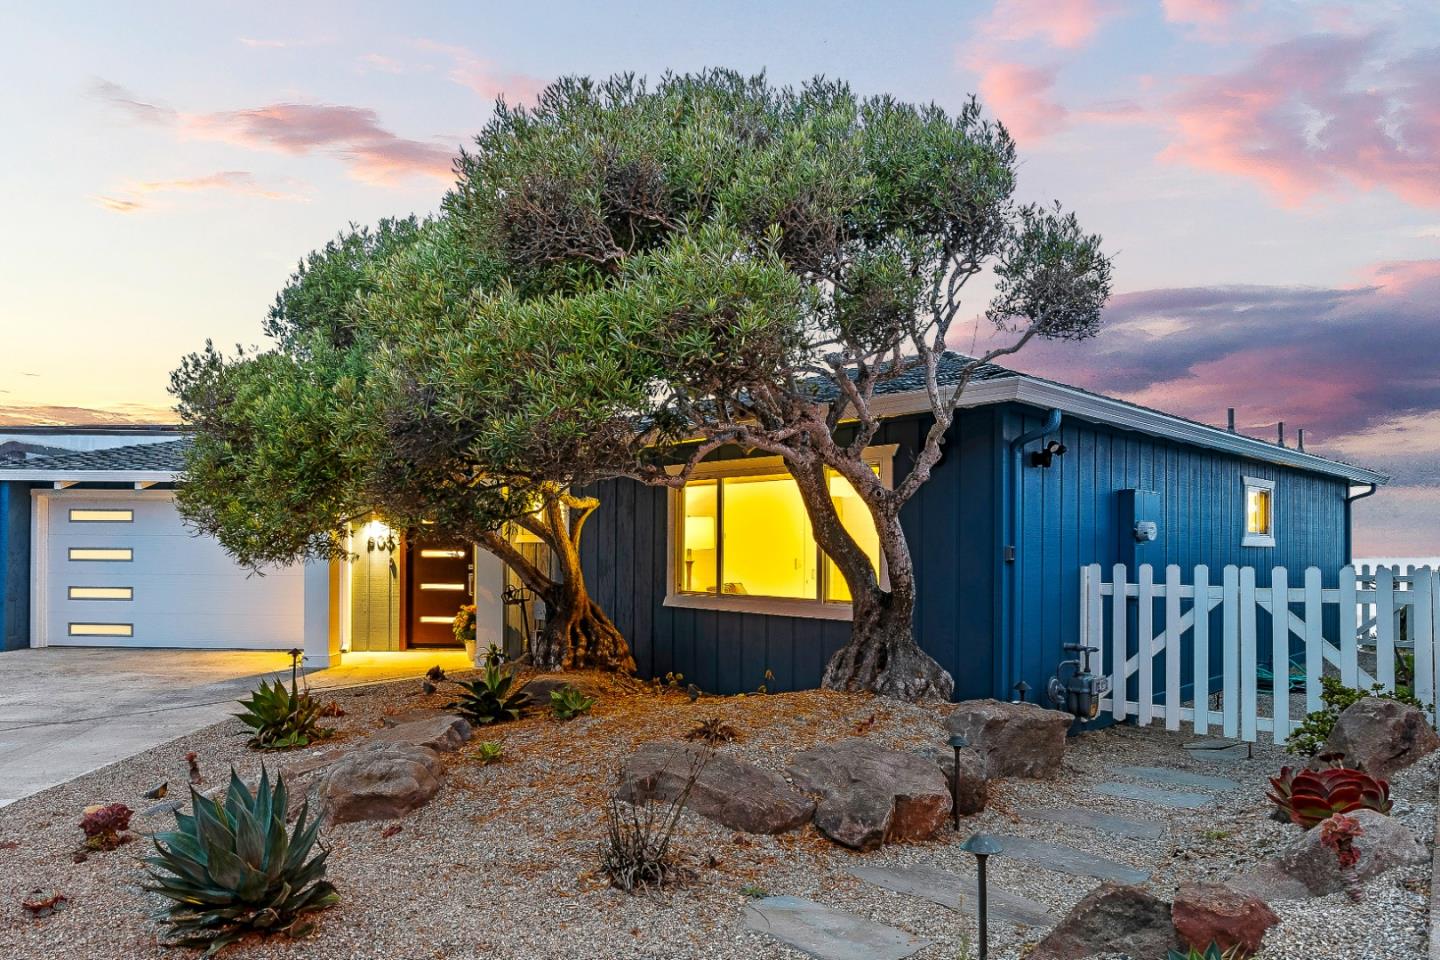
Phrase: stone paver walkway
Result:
[1165,776]
[829,934]
[1090,820]
[1063,859]
[957,893]
[1175,799]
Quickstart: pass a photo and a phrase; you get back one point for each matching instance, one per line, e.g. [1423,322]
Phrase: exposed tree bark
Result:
[881,654]
[577,633]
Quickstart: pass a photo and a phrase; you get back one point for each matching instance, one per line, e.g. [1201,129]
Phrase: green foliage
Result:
[754,891]
[488,699]
[282,717]
[231,868]
[567,703]
[1309,738]
[1309,797]
[488,752]
[1212,952]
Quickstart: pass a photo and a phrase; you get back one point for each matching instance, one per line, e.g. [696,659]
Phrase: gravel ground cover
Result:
[501,864]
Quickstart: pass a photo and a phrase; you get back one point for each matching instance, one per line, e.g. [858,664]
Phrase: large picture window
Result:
[745,535]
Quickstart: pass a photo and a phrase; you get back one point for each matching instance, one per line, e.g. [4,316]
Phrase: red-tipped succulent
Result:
[103,825]
[1309,797]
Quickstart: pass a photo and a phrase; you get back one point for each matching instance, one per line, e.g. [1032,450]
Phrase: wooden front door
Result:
[441,579]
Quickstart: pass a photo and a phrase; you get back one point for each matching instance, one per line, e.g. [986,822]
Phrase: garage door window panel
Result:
[101,515]
[102,554]
[101,593]
[102,630]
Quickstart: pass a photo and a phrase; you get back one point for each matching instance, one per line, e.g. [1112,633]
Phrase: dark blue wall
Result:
[1066,516]
[949,524]
[14,564]
[1072,514]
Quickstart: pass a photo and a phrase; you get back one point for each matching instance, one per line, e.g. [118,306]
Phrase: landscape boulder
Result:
[1205,913]
[1382,736]
[1014,739]
[1306,868]
[869,795]
[731,792]
[973,788]
[1113,919]
[380,782]
[443,732]
[540,689]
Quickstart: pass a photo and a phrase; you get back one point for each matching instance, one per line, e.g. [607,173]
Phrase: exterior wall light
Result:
[957,743]
[1046,457]
[982,846]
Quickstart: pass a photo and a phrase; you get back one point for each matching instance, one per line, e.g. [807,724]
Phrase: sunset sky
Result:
[1267,174]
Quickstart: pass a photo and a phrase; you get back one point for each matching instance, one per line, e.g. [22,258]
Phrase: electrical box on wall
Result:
[1139,527]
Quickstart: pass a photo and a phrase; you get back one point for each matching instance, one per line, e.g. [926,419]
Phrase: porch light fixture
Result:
[1046,457]
[982,846]
[957,743]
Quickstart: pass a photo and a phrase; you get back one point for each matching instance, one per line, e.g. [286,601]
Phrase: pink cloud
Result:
[1067,24]
[483,75]
[226,181]
[354,134]
[1309,115]
[1023,98]
[1202,12]
[119,204]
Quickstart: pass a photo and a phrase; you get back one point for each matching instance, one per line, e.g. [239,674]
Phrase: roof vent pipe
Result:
[1230,418]
[1280,433]
[1300,439]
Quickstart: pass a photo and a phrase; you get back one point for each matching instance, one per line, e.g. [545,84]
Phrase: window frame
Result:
[1257,485]
[882,456]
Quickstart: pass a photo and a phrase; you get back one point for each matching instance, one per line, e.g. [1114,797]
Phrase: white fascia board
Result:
[1126,416]
[71,477]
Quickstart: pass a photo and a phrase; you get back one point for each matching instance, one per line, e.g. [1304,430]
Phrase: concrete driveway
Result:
[65,711]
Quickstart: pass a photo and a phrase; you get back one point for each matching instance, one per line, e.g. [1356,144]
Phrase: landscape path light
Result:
[982,846]
[957,743]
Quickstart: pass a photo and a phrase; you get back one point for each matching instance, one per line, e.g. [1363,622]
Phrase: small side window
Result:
[1259,513]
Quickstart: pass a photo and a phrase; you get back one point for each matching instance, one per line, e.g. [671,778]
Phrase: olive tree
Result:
[859,225]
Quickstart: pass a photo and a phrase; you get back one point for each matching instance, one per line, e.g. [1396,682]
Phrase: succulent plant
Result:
[232,868]
[1212,952]
[282,718]
[1309,797]
[488,698]
[489,752]
[713,731]
[103,824]
[567,703]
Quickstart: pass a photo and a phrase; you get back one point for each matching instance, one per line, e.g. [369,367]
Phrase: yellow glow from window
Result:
[437,554]
[101,630]
[698,556]
[82,515]
[1257,511]
[767,548]
[437,619]
[101,553]
[102,593]
[443,586]
[858,522]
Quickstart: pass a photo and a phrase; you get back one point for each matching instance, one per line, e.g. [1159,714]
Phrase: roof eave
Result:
[1040,393]
[91,476]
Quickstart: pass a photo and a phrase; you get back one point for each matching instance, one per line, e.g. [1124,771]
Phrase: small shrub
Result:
[754,891]
[488,699]
[567,703]
[231,868]
[636,852]
[1309,797]
[712,731]
[282,718]
[1309,738]
[489,752]
[1212,952]
[103,825]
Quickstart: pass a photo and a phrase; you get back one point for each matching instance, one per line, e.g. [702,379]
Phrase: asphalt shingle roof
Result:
[166,457]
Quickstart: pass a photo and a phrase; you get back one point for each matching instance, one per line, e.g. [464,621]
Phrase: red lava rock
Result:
[1212,912]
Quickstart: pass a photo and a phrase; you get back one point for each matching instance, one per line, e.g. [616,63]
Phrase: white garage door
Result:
[122,570]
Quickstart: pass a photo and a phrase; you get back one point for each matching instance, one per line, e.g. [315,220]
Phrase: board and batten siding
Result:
[951,529]
[1074,514]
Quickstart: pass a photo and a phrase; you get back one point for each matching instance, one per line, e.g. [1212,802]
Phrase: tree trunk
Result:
[881,655]
[577,634]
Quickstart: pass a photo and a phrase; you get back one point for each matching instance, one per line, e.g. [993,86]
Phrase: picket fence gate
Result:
[1372,615]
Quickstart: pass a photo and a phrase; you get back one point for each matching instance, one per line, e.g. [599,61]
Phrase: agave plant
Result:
[282,718]
[567,703]
[1212,952]
[488,698]
[1309,797]
[231,868]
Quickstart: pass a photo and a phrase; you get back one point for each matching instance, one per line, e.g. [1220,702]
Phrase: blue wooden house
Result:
[722,583]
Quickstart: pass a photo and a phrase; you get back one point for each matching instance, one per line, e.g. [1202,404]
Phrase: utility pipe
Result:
[1010,611]
[1349,533]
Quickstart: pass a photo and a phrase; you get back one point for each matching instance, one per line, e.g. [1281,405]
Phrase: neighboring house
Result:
[722,582]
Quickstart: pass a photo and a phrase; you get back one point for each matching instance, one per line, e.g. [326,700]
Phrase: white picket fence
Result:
[1372,615]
